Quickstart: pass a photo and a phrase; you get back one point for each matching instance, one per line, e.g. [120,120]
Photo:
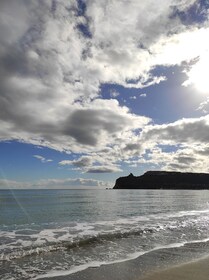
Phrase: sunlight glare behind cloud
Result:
[198,74]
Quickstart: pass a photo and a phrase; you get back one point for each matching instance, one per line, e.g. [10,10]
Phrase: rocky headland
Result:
[164,180]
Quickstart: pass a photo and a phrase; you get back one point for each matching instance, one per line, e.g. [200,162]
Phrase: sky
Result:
[93,90]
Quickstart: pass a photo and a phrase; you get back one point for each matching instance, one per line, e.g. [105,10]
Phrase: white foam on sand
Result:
[56,273]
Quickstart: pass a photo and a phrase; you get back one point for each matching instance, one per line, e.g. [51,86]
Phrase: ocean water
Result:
[59,232]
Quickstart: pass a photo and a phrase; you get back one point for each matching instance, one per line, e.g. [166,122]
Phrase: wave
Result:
[85,241]
[79,268]
[22,243]
[81,242]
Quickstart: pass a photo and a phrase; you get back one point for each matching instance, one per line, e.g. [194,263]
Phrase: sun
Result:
[198,75]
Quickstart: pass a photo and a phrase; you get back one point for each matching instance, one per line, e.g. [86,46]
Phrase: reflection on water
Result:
[64,229]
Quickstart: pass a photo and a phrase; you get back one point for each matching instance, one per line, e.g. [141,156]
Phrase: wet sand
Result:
[196,270]
[163,264]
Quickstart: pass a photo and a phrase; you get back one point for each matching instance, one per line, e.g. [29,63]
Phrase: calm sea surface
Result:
[54,232]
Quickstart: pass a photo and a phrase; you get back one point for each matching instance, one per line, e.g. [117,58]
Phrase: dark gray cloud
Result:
[176,167]
[132,147]
[185,159]
[86,126]
[103,169]
[83,161]
[183,131]
[204,151]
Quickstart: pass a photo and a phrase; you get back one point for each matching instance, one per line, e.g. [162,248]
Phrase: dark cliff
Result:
[164,180]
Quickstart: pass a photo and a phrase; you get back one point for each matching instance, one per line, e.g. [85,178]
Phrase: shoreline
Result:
[197,269]
[128,270]
[170,263]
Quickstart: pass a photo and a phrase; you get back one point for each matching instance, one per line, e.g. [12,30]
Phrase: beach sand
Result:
[130,270]
[197,270]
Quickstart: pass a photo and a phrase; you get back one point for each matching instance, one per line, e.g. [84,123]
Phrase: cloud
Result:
[197,73]
[143,95]
[83,161]
[194,130]
[184,158]
[114,93]
[189,160]
[7,184]
[189,137]
[103,169]
[96,126]
[181,145]
[54,59]
[93,164]
[42,159]
[68,183]
[203,106]
[131,146]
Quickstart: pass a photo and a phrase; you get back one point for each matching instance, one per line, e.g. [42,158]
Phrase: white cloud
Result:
[51,73]
[197,74]
[182,145]
[185,158]
[7,184]
[189,137]
[93,164]
[133,97]
[189,131]
[203,106]
[42,159]
[68,183]
[114,93]
[143,95]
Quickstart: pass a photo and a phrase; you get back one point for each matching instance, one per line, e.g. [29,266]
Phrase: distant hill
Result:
[164,180]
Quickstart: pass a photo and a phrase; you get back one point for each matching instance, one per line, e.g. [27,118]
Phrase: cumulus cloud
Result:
[183,158]
[194,130]
[97,126]
[83,161]
[54,57]
[181,145]
[189,137]
[187,159]
[92,164]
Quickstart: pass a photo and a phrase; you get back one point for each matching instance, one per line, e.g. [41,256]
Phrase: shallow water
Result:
[62,231]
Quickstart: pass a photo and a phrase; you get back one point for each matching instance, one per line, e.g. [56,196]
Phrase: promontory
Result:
[164,180]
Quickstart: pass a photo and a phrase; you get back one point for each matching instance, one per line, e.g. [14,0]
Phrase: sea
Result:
[47,233]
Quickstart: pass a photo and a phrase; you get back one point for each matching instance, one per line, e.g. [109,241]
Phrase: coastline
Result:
[140,232]
[178,263]
[194,270]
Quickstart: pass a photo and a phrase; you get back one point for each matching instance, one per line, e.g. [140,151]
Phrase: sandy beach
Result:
[196,270]
[139,269]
